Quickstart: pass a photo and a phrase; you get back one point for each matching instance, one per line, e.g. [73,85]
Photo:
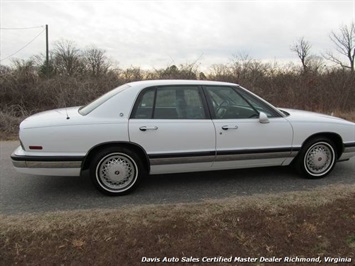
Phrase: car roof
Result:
[146,83]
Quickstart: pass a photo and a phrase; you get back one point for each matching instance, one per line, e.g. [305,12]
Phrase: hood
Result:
[306,116]
[57,117]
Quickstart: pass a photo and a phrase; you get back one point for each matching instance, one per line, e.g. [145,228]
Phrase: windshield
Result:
[84,110]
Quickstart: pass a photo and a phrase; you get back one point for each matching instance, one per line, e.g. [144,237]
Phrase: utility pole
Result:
[47,52]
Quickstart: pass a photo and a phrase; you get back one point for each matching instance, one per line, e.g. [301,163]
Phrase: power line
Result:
[24,28]
[23,46]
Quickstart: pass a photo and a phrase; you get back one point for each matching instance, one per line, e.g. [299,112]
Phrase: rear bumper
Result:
[46,165]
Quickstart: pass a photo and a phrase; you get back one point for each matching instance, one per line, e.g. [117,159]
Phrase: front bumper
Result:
[349,151]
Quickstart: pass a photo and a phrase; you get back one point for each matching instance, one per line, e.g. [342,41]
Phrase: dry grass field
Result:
[309,224]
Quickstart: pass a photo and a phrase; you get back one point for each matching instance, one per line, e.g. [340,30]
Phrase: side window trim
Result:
[208,102]
[154,102]
[204,102]
[138,100]
[200,91]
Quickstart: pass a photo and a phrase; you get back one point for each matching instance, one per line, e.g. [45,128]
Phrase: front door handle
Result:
[145,128]
[226,127]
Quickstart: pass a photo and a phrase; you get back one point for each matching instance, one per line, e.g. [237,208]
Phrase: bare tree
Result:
[96,61]
[132,74]
[4,69]
[315,64]
[245,68]
[25,69]
[184,71]
[344,42]
[171,72]
[45,70]
[67,58]
[220,72]
[302,48]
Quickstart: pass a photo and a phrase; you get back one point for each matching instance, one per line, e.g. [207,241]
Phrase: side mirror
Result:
[263,119]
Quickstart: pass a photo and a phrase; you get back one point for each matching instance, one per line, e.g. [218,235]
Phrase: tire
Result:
[116,171]
[317,158]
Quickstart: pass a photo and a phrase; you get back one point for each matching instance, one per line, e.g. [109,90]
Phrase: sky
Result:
[155,34]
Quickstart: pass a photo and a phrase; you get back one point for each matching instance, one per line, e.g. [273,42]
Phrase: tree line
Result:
[75,77]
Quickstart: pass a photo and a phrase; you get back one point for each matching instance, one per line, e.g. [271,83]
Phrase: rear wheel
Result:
[317,158]
[116,171]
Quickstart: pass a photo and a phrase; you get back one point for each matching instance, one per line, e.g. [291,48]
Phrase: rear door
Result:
[173,126]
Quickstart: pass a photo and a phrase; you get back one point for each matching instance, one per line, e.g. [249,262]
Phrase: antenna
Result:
[66,111]
[65,105]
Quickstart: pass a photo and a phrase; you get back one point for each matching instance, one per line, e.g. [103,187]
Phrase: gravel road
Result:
[22,193]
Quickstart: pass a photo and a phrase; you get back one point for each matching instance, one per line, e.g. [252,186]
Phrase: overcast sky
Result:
[159,33]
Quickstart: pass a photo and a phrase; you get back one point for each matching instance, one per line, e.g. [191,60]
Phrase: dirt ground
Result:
[298,225]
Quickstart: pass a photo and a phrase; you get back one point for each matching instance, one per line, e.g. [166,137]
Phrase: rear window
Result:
[84,110]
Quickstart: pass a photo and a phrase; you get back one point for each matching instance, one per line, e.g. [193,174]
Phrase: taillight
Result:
[35,147]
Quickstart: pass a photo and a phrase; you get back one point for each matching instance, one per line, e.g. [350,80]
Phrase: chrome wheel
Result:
[116,172]
[319,159]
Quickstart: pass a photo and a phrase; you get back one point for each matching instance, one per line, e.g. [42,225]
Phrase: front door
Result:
[243,139]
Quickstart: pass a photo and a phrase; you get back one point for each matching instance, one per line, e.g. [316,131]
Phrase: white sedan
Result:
[174,126]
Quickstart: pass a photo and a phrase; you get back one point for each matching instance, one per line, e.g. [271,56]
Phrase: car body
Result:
[174,126]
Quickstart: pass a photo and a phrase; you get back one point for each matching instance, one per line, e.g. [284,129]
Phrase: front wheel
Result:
[116,171]
[317,158]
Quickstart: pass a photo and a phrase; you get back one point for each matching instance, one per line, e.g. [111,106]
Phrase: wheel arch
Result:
[336,138]
[129,145]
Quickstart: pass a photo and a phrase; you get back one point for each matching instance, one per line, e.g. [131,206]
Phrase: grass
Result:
[304,224]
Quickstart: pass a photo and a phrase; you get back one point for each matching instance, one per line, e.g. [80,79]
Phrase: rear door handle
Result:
[145,128]
[226,127]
